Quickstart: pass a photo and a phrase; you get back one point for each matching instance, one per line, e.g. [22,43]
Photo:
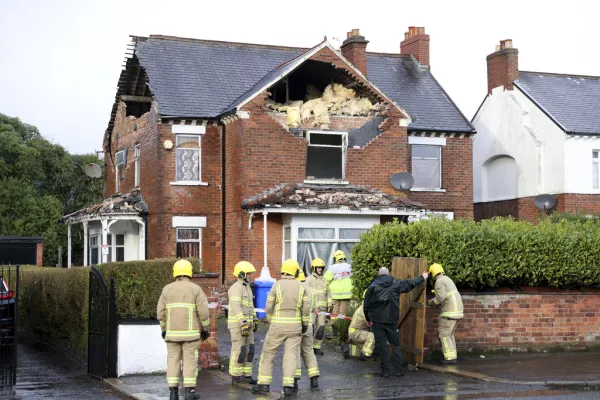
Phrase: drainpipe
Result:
[223,192]
[265,239]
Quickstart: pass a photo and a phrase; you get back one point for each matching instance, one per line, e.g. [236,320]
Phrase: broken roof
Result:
[125,204]
[571,101]
[350,197]
[203,79]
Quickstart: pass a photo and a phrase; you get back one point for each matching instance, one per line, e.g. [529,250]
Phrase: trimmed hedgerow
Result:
[491,253]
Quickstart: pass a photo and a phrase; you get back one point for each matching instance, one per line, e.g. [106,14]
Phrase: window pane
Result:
[351,233]
[321,138]
[426,173]
[188,234]
[188,142]
[347,249]
[120,253]
[188,250]
[287,233]
[188,167]
[94,256]
[120,158]
[595,153]
[316,233]
[324,162]
[287,250]
[426,151]
[120,240]
[595,175]
[109,256]
[93,241]
[109,239]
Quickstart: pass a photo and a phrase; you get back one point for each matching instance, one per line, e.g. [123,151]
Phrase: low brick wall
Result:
[523,321]
[210,283]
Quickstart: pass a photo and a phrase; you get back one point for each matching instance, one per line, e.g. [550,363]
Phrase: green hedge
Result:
[138,285]
[491,253]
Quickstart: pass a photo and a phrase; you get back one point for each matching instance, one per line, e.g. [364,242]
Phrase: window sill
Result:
[428,190]
[188,183]
[326,182]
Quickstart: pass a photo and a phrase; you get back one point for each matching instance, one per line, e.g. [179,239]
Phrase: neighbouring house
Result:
[228,151]
[537,133]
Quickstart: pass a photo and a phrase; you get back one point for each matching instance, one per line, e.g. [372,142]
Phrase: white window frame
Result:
[596,164]
[344,147]
[439,147]
[118,166]
[97,247]
[136,161]
[199,240]
[199,182]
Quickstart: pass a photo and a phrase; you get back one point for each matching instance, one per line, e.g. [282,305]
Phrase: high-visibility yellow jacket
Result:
[288,306]
[241,305]
[338,281]
[183,311]
[317,283]
[310,294]
[447,295]
[359,322]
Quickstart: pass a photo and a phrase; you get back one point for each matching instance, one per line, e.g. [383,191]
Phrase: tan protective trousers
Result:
[364,341]
[188,352]
[307,354]
[291,341]
[318,321]
[340,306]
[446,335]
[242,353]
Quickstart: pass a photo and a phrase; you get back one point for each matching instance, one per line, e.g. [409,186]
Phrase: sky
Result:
[60,60]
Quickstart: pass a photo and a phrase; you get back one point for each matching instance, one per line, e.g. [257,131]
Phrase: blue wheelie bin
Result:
[260,299]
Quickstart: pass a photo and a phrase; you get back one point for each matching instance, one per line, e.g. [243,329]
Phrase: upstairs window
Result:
[136,158]
[188,158]
[427,166]
[595,169]
[326,155]
[120,160]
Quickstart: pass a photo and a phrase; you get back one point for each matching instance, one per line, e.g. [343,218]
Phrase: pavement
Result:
[496,376]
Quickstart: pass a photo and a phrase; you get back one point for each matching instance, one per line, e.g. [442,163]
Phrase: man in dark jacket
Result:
[382,309]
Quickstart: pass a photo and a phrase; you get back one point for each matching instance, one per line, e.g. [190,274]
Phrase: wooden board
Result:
[411,324]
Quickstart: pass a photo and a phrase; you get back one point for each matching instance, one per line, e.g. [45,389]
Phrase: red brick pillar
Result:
[40,255]
[210,284]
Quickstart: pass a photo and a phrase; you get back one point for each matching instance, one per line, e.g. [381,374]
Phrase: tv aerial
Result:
[93,170]
[544,201]
[402,180]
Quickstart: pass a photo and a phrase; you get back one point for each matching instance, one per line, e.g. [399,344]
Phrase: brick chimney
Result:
[416,43]
[354,49]
[503,66]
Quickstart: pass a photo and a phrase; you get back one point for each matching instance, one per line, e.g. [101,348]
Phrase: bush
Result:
[138,285]
[491,253]
[53,302]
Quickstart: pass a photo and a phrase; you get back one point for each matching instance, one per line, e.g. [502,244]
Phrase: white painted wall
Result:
[578,164]
[141,350]
[509,124]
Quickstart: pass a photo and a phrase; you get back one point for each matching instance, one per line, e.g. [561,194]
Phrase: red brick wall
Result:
[210,284]
[356,53]
[506,321]
[457,179]
[39,259]
[502,69]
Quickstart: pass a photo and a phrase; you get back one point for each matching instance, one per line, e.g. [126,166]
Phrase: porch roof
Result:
[129,204]
[328,197]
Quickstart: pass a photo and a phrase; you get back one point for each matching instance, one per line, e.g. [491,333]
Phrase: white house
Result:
[537,133]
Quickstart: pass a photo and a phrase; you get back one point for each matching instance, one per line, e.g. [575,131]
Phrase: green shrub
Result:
[343,325]
[138,285]
[491,253]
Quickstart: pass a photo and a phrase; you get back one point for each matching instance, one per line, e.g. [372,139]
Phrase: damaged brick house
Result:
[229,151]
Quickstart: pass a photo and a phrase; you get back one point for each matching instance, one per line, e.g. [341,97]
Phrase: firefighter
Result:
[339,283]
[451,304]
[359,333]
[242,324]
[316,282]
[183,314]
[288,311]
[306,345]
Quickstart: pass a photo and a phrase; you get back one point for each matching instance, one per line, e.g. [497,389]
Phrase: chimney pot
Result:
[348,35]
[355,32]
[497,47]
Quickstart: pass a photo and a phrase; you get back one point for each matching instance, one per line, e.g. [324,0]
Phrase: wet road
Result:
[44,373]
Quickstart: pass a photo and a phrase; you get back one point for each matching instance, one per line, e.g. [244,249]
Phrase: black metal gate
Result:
[102,332]
[9,321]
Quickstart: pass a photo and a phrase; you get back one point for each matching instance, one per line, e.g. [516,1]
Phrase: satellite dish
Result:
[544,201]
[93,170]
[402,180]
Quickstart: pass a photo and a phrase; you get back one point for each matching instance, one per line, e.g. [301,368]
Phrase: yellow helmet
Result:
[338,256]
[317,263]
[290,267]
[435,269]
[182,268]
[242,269]
[301,277]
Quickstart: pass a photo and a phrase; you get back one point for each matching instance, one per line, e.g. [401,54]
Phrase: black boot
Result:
[190,394]
[288,391]
[174,393]
[259,388]
[443,361]
[238,379]
[318,352]
[314,383]
[296,385]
